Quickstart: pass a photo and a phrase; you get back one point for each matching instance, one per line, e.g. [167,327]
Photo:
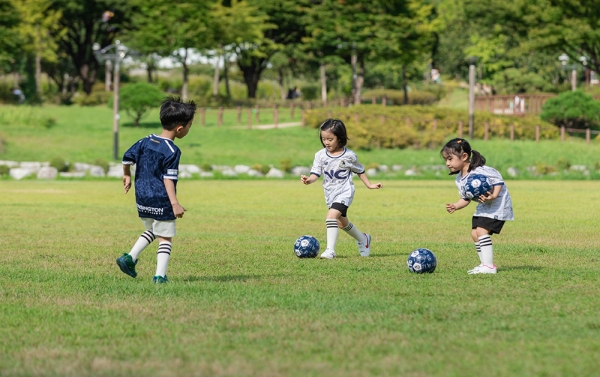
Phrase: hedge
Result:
[376,126]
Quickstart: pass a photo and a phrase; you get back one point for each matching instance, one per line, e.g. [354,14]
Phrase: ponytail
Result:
[477,160]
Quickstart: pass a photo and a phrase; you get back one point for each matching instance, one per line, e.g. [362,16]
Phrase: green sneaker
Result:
[127,265]
[160,280]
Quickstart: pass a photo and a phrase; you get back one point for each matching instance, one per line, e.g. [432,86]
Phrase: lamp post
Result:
[471,61]
[114,53]
[563,61]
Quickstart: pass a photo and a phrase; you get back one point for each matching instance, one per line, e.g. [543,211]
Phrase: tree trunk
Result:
[404,87]
[38,74]
[88,76]
[107,76]
[149,70]
[353,64]
[216,78]
[251,78]
[226,74]
[323,83]
[281,83]
[360,79]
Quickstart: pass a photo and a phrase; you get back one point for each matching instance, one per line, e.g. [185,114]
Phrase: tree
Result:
[138,98]
[9,36]
[572,109]
[85,23]
[38,21]
[287,16]
[174,29]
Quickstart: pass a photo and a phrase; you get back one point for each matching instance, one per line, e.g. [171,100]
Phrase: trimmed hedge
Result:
[422,126]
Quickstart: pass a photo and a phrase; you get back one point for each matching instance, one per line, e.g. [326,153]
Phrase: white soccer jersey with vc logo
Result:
[337,175]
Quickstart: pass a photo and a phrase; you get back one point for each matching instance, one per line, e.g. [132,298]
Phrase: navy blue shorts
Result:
[340,207]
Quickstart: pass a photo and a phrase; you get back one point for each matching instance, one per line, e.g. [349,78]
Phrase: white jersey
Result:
[337,175]
[499,208]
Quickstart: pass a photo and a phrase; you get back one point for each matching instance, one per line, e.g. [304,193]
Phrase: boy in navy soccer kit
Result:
[157,165]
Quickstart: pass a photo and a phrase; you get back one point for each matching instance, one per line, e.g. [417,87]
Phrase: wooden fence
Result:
[514,104]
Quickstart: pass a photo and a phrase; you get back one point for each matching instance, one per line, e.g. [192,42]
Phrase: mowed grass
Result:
[84,134]
[240,303]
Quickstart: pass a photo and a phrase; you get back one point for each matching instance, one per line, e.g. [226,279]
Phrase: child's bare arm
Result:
[307,180]
[363,177]
[126,177]
[456,206]
[178,210]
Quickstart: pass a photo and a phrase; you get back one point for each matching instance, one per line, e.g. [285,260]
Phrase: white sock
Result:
[354,232]
[332,233]
[145,239]
[487,250]
[478,251]
[162,258]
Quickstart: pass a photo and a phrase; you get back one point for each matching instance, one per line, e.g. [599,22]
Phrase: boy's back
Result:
[156,159]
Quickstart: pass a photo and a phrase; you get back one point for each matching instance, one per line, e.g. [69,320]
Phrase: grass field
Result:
[84,134]
[241,304]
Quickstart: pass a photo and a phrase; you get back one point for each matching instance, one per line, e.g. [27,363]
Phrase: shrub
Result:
[375,126]
[60,164]
[93,99]
[136,99]
[572,109]
[396,97]
[4,169]
[286,165]
[102,163]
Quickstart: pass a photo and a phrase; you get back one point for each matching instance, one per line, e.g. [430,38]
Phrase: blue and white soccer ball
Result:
[306,247]
[422,261]
[477,185]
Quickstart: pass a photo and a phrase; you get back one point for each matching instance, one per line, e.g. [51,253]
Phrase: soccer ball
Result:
[477,185]
[306,247]
[421,261]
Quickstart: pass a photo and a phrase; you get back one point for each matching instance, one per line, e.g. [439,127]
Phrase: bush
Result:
[60,164]
[93,99]
[136,99]
[396,97]
[102,163]
[4,169]
[572,109]
[421,126]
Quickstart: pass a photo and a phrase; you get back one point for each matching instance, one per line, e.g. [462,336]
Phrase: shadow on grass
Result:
[223,279]
[386,255]
[527,268]
[143,125]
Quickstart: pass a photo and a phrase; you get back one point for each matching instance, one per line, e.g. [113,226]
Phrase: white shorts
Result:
[160,228]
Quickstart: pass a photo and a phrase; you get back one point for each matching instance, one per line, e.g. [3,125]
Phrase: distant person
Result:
[293,93]
[157,166]
[493,209]
[337,163]
[19,96]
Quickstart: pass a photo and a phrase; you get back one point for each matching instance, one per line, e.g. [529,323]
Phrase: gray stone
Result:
[275,173]
[254,173]
[47,172]
[80,166]
[31,165]
[73,174]
[184,174]
[97,171]
[229,173]
[206,174]
[192,169]
[372,172]
[396,167]
[19,173]
[241,169]
[411,172]
[512,172]
[300,170]
[578,168]
[383,168]
[221,167]
[10,164]
[116,171]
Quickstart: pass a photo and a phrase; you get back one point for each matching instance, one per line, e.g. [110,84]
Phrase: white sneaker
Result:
[329,254]
[474,268]
[484,269]
[365,247]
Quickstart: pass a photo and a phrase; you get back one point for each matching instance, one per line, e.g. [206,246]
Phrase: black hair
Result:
[174,112]
[336,127]
[459,146]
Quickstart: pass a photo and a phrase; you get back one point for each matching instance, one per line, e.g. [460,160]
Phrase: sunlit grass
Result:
[241,304]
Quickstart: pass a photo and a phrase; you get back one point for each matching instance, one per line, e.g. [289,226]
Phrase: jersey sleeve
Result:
[495,177]
[171,166]
[131,155]
[351,163]
[317,167]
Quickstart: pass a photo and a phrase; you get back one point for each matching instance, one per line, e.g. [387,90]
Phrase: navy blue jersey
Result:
[156,159]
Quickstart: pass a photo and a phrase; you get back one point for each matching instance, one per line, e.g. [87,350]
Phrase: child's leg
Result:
[332,227]
[351,229]
[145,239]
[163,255]
[477,246]
[485,244]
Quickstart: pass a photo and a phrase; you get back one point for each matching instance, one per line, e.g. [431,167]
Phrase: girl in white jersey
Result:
[337,163]
[493,209]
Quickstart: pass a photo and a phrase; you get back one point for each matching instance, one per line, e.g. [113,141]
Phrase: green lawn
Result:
[241,304]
